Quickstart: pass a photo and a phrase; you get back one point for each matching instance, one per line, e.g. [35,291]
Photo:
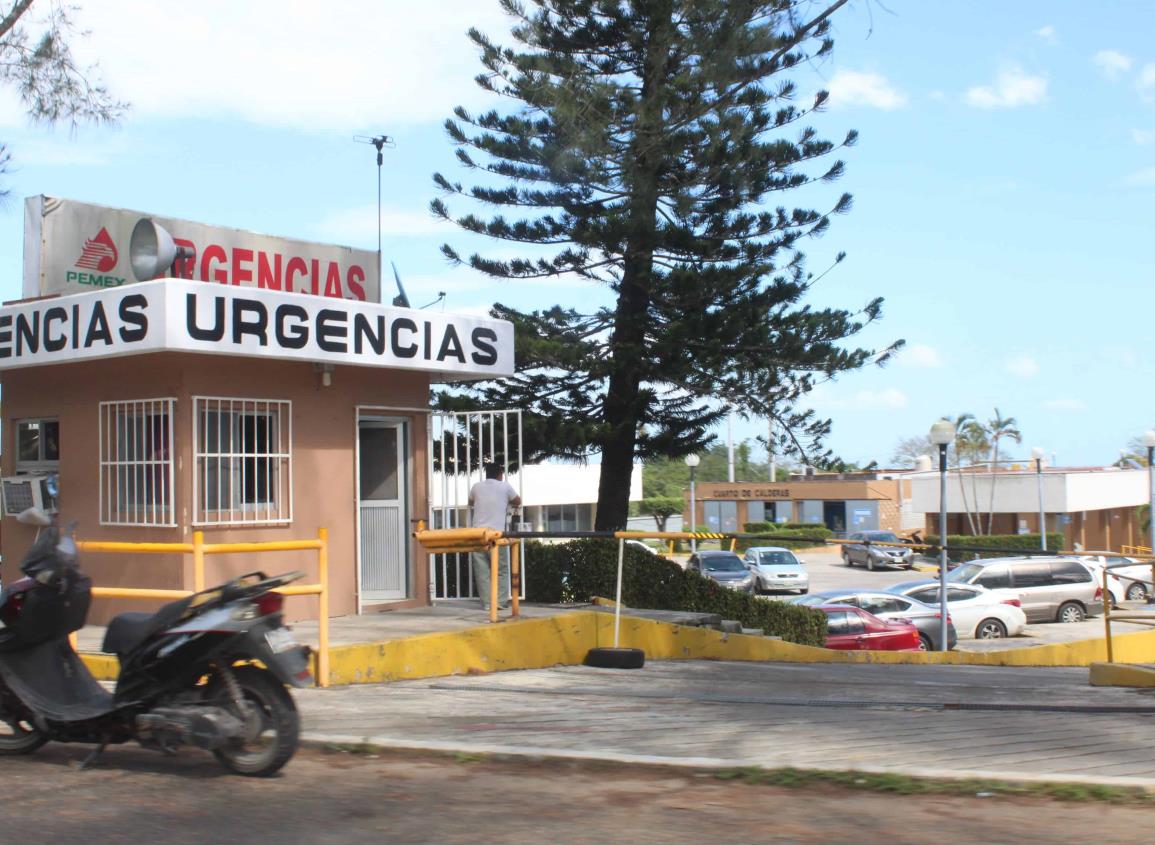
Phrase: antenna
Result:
[401,300]
[380,142]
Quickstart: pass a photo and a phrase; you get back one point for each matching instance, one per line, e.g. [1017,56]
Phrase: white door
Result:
[383,510]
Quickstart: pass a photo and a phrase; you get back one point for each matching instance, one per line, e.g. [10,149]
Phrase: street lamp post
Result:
[1038,454]
[692,462]
[1148,440]
[941,435]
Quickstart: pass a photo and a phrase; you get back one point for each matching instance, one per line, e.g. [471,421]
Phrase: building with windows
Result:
[843,502]
[243,396]
[1093,507]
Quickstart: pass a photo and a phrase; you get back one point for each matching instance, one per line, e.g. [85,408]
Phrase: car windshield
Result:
[723,563]
[777,559]
[881,536]
[965,572]
[813,600]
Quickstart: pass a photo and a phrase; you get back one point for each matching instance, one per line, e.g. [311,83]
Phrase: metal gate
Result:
[459,446]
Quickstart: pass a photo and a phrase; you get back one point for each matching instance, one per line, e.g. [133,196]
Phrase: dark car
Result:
[724,568]
[884,605]
[861,549]
[853,629]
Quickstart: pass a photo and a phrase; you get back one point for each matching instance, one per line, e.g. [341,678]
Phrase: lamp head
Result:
[692,461]
[1148,438]
[942,433]
[1038,453]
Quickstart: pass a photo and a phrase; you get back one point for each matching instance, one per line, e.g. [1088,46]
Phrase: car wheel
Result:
[1071,611]
[846,559]
[804,591]
[869,564]
[1136,592]
[924,643]
[990,629]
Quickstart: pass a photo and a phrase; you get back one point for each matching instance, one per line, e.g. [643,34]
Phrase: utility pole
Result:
[380,142]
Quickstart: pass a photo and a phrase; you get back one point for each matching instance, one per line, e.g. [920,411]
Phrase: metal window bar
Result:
[243,458]
[137,472]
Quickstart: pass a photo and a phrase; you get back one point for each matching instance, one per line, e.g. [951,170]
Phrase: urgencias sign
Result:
[73,247]
[177,315]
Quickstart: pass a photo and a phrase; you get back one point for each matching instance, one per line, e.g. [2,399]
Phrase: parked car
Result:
[724,568]
[853,629]
[977,613]
[776,568]
[861,550]
[890,606]
[1052,589]
[1127,578]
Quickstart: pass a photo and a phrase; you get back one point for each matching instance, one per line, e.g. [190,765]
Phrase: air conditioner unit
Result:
[22,492]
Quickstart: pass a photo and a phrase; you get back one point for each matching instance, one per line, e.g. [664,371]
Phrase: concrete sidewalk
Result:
[942,721]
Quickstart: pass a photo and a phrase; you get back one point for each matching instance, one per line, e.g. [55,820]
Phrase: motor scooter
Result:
[209,671]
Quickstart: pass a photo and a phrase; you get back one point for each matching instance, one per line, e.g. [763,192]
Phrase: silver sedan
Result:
[776,568]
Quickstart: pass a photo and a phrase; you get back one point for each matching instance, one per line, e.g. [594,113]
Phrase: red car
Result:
[853,629]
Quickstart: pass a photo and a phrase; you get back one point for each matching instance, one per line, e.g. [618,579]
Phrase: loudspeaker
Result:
[151,250]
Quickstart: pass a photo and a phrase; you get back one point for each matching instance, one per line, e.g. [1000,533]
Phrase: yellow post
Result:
[733,543]
[198,561]
[515,577]
[670,543]
[1107,617]
[323,609]
[494,559]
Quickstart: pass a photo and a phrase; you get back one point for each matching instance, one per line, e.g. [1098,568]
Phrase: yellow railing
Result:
[1134,617]
[198,548]
[462,540]
[1127,551]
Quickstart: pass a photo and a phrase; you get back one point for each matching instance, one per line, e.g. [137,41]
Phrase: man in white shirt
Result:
[490,501]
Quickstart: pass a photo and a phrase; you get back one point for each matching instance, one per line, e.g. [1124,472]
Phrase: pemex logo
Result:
[99,253]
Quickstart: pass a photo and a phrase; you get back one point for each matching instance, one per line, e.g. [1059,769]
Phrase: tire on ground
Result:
[616,658]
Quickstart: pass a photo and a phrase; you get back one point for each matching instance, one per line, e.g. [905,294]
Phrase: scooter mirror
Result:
[34,516]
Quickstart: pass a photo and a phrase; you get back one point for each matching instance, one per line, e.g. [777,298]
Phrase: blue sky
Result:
[1003,182]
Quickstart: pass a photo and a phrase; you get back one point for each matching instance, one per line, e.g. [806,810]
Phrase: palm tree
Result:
[997,429]
[970,442]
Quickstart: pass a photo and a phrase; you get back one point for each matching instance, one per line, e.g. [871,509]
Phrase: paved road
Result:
[138,797]
[828,572]
[942,720]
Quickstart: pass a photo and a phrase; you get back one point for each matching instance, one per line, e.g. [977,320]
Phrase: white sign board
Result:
[178,315]
[73,247]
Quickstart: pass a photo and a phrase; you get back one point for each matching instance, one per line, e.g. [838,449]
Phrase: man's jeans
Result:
[480,562]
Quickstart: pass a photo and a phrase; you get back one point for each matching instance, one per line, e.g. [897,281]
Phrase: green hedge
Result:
[1027,542]
[783,530]
[581,569]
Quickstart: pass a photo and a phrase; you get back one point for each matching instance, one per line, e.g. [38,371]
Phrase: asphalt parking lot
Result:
[828,572]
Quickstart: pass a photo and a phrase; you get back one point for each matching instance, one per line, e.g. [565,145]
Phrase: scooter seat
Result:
[126,631]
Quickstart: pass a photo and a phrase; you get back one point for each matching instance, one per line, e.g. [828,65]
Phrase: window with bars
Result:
[243,461]
[136,466]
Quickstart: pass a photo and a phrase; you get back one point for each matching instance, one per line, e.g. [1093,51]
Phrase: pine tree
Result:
[648,140]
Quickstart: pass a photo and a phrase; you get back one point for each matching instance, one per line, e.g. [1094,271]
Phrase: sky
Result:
[1003,183]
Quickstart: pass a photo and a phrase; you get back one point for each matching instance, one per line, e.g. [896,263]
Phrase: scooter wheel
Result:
[18,737]
[277,736]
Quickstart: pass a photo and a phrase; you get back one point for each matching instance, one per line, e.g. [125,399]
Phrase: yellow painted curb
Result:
[564,640]
[1118,675]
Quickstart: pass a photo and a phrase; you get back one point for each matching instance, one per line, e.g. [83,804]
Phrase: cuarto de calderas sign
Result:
[71,247]
[178,315]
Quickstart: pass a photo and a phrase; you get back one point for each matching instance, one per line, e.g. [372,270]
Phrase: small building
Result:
[1094,507]
[842,502]
[253,397]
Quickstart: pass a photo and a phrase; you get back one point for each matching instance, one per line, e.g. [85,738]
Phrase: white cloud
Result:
[831,399]
[1065,405]
[1024,366]
[1014,87]
[1142,178]
[1146,81]
[347,66]
[1143,136]
[1048,34]
[1112,63]
[860,88]
[359,225]
[920,355]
